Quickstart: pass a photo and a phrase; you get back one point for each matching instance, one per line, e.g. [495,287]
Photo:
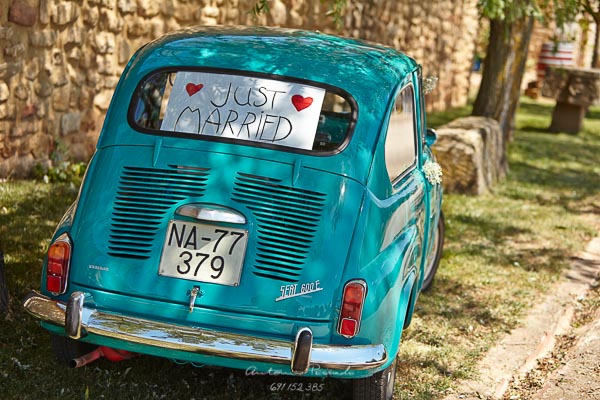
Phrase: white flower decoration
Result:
[433,172]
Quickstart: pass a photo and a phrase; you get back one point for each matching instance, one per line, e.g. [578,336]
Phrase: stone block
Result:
[92,78]
[21,92]
[8,70]
[45,38]
[23,165]
[108,4]
[278,13]
[168,9]
[4,92]
[59,77]
[471,153]
[40,144]
[70,122]
[76,76]
[21,13]
[29,110]
[209,15]
[74,55]
[148,8]
[104,43]
[25,128]
[75,97]
[127,6]
[65,13]
[7,111]
[6,32]
[80,152]
[14,51]
[102,99]
[105,64]
[110,21]
[124,52]
[60,99]
[45,11]
[75,36]
[32,69]
[185,13]
[110,82]
[43,88]
[138,27]
[91,15]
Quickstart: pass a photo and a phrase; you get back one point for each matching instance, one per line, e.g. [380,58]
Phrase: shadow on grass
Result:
[25,228]
[532,107]
[30,215]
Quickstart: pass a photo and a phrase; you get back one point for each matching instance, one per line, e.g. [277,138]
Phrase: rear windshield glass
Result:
[251,110]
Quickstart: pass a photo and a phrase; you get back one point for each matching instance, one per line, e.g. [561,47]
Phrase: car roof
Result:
[356,66]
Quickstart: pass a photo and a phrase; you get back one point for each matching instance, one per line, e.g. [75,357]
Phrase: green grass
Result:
[503,251]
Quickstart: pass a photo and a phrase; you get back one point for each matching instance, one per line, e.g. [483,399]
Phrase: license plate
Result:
[203,253]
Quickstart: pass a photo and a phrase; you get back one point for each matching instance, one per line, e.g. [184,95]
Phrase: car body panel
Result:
[314,221]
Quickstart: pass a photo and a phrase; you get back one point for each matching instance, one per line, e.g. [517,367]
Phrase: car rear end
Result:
[219,238]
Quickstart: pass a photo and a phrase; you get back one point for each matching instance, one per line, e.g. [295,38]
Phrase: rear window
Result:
[252,110]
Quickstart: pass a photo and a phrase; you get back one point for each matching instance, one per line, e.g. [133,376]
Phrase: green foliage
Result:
[63,171]
[336,7]
[560,11]
[260,7]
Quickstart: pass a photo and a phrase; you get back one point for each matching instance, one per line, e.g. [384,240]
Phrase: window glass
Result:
[400,149]
[252,110]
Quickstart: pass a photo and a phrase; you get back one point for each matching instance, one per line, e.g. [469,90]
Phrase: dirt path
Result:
[547,357]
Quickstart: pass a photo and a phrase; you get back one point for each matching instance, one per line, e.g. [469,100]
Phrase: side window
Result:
[400,149]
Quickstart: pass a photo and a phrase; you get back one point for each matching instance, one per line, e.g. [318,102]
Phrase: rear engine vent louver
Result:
[287,220]
[143,197]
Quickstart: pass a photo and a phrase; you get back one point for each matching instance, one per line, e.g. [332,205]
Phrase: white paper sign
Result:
[245,108]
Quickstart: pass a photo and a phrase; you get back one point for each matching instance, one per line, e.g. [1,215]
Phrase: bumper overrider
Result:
[300,354]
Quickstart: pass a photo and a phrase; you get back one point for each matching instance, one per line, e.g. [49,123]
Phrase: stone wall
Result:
[60,60]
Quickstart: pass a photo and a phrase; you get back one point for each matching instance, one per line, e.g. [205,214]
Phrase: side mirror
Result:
[430,136]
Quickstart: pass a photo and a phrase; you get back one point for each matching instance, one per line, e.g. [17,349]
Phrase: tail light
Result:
[352,306]
[57,268]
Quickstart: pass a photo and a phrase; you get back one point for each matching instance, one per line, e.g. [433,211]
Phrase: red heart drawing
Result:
[192,88]
[301,102]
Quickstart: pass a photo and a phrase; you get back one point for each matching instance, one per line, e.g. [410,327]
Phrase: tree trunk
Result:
[595,55]
[503,71]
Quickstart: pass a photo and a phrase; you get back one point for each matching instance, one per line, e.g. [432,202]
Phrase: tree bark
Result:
[503,71]
[595,55]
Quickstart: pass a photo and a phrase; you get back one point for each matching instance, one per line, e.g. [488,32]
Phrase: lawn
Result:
[503,251]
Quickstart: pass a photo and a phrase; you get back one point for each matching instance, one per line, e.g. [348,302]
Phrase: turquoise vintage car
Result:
[260,199]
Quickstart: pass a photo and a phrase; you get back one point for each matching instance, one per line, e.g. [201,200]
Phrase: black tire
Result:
[431,269]
[66,349]
[379,386]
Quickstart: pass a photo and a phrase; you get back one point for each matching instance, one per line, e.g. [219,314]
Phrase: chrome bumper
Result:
[80,320]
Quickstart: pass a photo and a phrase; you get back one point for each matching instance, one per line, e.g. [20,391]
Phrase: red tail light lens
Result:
[352,306]
[57,268]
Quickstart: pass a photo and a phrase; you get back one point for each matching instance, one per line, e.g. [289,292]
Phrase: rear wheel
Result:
[438,245]
[66,349]
[379,386]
